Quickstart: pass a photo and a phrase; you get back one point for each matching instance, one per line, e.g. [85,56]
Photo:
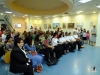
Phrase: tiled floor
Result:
[77,63]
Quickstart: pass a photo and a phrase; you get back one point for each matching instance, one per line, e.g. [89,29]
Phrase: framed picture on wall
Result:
[79,25]
[71,25]
[45,26]
[64,25]
[17,25]
[49,26]
[56,25]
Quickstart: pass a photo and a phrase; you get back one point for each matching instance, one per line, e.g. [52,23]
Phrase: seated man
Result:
[19,62]
[77,39]
[74,41]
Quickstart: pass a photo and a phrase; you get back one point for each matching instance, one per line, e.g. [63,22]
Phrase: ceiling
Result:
[88,7]
[40,7]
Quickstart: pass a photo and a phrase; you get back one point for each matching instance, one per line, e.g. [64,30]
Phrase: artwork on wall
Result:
[71,25]
[79,25]
[45,26]
[49,26]
[56,25]
[17,25]
[64,25]
[91,24]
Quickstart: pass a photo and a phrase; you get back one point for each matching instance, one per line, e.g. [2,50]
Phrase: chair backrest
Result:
[7,57]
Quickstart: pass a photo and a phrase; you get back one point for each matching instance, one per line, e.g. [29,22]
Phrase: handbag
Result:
[33,53]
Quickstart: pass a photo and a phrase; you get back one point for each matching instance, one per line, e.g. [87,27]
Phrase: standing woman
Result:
[93,36]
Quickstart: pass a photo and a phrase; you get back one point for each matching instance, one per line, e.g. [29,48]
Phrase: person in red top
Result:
[0,33]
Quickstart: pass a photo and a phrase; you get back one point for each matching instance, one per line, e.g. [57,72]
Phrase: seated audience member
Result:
[78,39]
[36,59]
[74,42]
[47,45]
[2,52]
[19,62]
[4,36]
[69,42]
[9,44]
[40,47]
[58,48]
[62,40]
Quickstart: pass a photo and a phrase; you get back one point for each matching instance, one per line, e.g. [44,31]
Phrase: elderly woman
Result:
[19,62]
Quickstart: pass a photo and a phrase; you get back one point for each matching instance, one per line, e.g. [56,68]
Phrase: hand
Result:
[29,52]
[53,47]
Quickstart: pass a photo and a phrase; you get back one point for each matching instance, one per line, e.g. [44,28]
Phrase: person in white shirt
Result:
[68,41]
[75,42]
[78,39]
[65,45]
[75,30]
[3,36]
[58,49]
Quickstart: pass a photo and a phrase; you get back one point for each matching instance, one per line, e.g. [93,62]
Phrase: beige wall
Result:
[20,20]
[85,19]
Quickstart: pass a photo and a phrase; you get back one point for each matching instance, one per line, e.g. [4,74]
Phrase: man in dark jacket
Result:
[20,63]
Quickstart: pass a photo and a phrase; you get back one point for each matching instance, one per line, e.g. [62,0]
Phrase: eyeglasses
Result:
[21,42]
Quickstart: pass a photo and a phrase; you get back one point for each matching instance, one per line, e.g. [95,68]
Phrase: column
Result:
[98,31]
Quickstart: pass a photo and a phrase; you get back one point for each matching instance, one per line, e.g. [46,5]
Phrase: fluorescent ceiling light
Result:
[79,12]
[84,1]
[8,12]
[98,6]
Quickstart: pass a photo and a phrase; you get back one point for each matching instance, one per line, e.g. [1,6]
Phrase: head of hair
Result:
[54,34]
[16,41]
[28,40]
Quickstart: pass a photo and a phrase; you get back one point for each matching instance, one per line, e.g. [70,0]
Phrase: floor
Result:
[77,63]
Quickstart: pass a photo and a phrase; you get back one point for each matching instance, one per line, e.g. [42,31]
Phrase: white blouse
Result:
[67,39]
[62,40]
[55,41]
[75,36]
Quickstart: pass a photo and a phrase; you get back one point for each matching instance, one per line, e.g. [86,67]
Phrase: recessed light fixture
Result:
[1,13]
[98,6]
[36,16]
[8,12]
[79,12]
[23,16]
[46,17]
[84,1]
[14,15]
[26,15]
[94,12]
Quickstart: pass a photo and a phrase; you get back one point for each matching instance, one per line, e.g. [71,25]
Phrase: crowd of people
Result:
[30,49]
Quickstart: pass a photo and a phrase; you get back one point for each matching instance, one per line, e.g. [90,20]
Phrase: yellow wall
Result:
[20,20]
[85,19]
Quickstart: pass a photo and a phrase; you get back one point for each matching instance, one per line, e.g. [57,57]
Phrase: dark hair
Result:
[54,34]
[16,41]
[66,33]
[46,36]
[28,40]
[61,34]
